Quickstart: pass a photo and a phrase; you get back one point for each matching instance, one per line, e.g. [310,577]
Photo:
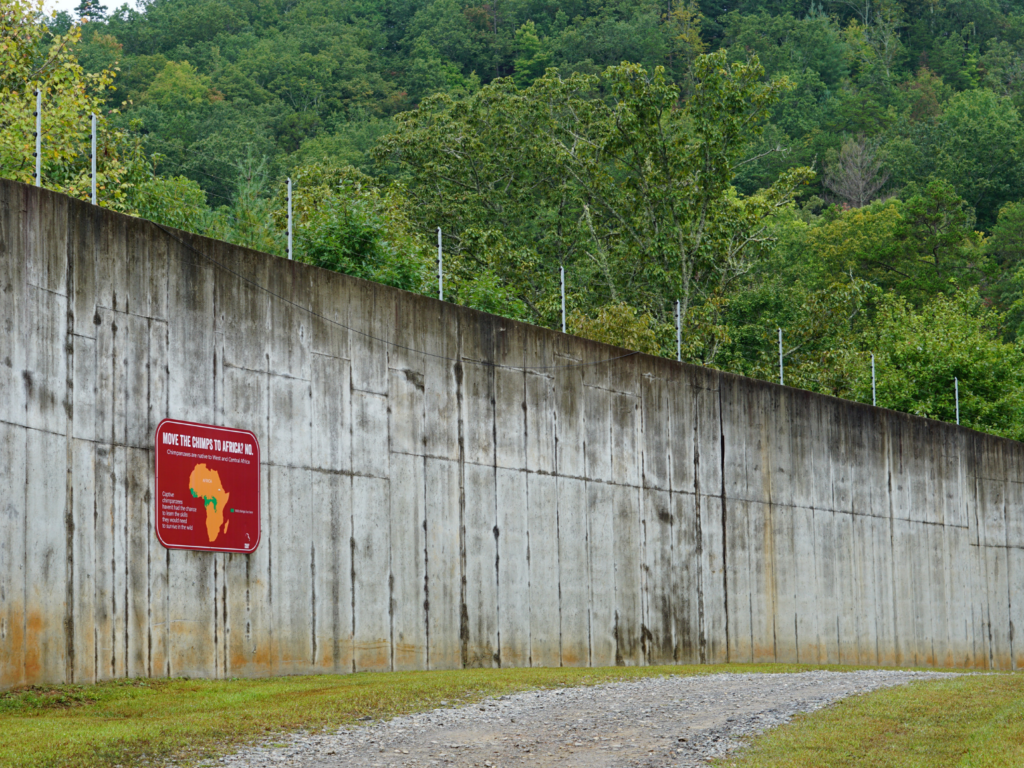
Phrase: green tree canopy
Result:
[980,146]
[31,58]
[623,179]
[345,223]
[919,353]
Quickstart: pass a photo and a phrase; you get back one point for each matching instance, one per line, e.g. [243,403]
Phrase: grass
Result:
[146,722]
[968,721]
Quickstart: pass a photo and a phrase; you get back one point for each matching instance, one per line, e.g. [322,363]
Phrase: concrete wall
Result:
[489,498]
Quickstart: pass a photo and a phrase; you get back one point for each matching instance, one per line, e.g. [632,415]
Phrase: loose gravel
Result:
[661,721]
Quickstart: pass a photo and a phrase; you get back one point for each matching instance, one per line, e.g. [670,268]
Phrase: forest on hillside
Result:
[850,172]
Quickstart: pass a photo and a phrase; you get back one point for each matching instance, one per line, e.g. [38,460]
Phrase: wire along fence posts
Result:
[93,159]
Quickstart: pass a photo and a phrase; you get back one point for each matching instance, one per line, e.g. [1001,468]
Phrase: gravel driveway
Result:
[668,721]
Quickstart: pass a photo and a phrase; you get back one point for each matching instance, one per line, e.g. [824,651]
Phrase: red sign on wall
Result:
[207,487]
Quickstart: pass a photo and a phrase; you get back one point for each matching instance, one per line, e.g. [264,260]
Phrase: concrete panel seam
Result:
[30,284]
[317,353]
[40,430]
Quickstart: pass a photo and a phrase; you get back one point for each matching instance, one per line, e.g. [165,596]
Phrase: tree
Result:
[918,353]
[916,248]
[926,93]
[179,86]
[532,60]
[685,44]
[345,223]
[32,57]
[1005,248]
[248,221]
[618,324]
[831,335]
[860,242]
[856,176]
[174,201]
[936,236]
[620,178]
[875,43]
[1003,68]
[1006,243]
[980,150]
[90,10]
[1015,313]
[483,271]
[820,327]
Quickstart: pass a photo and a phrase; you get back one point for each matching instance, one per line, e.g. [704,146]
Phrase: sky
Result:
[60,5]
[70,5]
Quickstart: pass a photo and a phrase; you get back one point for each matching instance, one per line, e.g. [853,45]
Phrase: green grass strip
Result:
[139,722]
[970,721]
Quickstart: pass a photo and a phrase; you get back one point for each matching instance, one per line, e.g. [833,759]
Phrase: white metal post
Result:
[562,272]
[781,379]
[92,173]
[440,268]
[874,400]
[289,219]
[39,137]
[679,332]
[956,388]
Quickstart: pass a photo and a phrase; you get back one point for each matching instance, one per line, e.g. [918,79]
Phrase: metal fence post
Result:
[39,137]
[956,389]
[874,400]
[679,332]
[781,378]
[92,159]
[562,273]
[290,219]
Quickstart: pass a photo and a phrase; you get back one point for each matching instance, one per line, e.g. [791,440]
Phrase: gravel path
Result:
[668,721]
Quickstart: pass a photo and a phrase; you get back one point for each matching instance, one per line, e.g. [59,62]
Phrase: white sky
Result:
[70,5]
[61,5]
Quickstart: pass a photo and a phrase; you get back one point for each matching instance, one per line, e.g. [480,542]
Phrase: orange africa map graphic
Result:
[205,484]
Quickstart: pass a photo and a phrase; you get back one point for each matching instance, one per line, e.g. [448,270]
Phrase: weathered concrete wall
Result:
[456,505]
